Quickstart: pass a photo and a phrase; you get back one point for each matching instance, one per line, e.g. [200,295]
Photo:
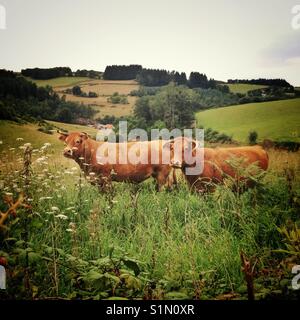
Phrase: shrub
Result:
[76,91]
[252,138]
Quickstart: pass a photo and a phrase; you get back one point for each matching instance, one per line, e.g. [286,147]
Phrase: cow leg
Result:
[162,178]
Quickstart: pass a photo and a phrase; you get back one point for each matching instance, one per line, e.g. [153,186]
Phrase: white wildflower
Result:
[45,198]
[54,208]
[19,139]
[69,230]
[41,159]
[61,216]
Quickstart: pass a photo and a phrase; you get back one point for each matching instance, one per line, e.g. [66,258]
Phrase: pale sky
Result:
[222,38]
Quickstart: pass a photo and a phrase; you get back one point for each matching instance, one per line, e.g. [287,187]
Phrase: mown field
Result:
[134,243]
[277,120]
[243,87]
[103,88]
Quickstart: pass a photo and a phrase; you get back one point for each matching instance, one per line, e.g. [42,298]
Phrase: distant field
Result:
[104,89]
[59,82]
[278,120]
[243,87]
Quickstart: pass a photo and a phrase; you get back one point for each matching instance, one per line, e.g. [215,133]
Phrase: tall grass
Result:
[146,244]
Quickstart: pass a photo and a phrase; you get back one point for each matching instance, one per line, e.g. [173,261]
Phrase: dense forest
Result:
[121,72]
[47,73]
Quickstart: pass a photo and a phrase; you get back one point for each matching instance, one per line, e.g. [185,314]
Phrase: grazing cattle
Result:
[85,151]
[218,163]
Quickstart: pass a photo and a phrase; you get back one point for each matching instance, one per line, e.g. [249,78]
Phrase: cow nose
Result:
[176,164]
[68,151]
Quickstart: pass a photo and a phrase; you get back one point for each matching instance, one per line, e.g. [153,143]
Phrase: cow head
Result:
[74,144]
[181,151]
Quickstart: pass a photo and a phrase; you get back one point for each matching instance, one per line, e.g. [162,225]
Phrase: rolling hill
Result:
[277,120]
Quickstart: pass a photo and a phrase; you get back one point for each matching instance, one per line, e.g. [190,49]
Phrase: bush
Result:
[76,91]
[252,138]
[116,98]
[92,94]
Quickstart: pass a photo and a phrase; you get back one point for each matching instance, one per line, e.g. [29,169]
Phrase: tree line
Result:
[47,73]
[262,81]
[157,77]
[122,72]
[22,99]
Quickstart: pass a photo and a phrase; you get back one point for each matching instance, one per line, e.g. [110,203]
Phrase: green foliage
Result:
[23,99]
[174,105]
[117,98]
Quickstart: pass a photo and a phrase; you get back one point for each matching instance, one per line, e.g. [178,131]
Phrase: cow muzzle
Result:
[176,164]
[68,153]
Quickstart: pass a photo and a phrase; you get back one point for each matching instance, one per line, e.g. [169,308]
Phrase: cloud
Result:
[283,52]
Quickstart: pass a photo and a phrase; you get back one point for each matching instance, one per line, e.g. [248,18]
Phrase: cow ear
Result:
[169,145]
[84,135]
[62,136]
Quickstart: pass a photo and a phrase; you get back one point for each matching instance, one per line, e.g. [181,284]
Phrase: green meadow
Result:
[277,120]
[60,81]
[243,87]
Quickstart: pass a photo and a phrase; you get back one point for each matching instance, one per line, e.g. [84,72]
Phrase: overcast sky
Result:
[222,38]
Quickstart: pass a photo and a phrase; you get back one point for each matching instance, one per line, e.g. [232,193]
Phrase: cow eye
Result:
[77,141]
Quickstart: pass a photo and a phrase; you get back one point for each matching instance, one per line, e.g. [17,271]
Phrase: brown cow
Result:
[83,149]
[218,163]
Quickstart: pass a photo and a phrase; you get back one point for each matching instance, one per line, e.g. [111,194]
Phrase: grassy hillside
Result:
[243,87]
[133,242]
[10,131]
[59,82]
[278,120]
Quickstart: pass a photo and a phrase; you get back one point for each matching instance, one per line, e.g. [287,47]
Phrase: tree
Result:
[142,109]
[65,115]
[76,91]
[252,138]
[198,80]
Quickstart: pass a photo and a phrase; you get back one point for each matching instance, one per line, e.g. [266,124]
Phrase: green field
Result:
[243,87]
[59,82]
[277,120]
